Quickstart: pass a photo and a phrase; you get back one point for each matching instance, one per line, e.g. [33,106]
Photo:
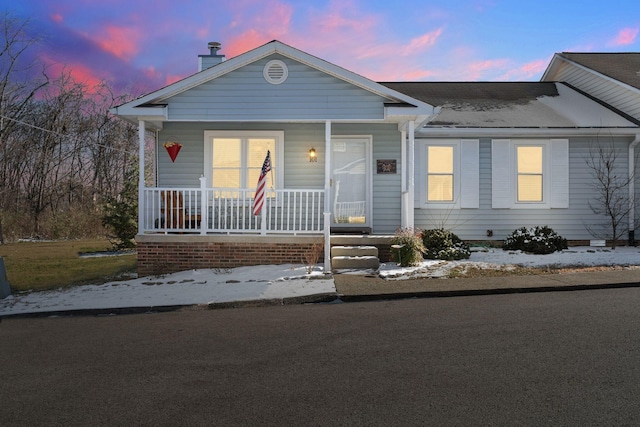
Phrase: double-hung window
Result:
[233,159]
[530,173]
[449,176]
[440,177]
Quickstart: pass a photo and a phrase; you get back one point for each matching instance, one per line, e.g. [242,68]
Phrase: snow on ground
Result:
[281,281]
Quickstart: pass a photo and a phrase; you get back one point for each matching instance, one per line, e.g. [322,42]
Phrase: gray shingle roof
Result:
[507,105]
[440,93]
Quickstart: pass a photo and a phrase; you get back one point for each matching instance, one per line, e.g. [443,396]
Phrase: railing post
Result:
[204,208]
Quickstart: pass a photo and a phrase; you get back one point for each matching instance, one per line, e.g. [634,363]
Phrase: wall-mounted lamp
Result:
[313,156]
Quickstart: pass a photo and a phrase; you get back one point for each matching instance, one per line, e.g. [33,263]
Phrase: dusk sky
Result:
[142,45]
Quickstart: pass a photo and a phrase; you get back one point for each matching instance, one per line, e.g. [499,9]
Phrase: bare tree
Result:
[17,89]
[611,194]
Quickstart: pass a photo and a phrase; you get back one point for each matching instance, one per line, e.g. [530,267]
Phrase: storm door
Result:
[350,182]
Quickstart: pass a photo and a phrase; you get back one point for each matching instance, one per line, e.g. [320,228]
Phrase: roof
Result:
[490,93]
[141,108]
[624,67]
[510,105]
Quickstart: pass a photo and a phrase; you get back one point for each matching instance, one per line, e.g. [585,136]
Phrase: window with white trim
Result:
[530,167]
[440,173]
[449,177]
[530,173]
[233,159]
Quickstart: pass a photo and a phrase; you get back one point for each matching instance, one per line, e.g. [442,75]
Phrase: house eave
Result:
[452,131]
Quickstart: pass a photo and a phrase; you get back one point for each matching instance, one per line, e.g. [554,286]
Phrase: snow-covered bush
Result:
[410,250]
[536,240]
[443,244]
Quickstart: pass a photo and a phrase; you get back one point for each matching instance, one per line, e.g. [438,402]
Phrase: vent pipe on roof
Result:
[208,61]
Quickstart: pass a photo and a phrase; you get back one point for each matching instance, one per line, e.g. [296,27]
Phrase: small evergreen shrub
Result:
[410,254]
[535,240]
[443,244]
[120,214]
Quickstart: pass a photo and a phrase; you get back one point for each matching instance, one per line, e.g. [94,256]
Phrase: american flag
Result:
[258,201]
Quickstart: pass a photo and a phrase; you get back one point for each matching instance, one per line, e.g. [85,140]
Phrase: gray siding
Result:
[299,173]
[244,94]
[608,91]
[572,223]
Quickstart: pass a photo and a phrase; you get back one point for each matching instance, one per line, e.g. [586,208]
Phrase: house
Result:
[352,160]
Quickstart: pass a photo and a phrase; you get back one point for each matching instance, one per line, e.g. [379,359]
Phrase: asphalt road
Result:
[559,358]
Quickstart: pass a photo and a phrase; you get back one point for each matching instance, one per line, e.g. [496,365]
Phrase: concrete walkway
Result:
[341,287]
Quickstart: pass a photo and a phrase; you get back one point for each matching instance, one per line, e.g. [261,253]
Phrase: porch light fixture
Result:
[313,156]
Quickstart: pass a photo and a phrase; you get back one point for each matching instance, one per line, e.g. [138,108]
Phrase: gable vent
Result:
[275,72]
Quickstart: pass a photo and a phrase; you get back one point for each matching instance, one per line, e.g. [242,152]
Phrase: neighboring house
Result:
[353,160]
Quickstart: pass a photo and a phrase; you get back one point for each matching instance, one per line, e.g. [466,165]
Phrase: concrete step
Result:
[355,262]
[354,257]
[354,251]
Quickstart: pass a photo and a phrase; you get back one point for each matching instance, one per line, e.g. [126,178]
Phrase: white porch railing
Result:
[229,211]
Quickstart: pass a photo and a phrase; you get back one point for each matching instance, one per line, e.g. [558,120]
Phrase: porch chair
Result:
[175,213]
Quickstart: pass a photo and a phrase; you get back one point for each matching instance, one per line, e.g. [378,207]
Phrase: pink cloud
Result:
[476,70]
[528,71]
[418,44]
[57,18]
[79,72]
[122,42]
[264,25]
[626,36]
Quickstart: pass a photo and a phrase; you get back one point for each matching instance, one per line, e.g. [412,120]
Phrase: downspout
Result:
[141,207]
[327,202]
[632,180]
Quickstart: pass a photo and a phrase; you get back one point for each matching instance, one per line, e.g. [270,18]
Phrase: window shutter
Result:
[559,173]
[501,174]
[470,173]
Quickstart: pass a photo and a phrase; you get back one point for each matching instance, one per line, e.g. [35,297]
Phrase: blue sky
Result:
[142,45]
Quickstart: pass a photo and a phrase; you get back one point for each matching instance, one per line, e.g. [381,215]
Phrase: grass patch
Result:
[35,266]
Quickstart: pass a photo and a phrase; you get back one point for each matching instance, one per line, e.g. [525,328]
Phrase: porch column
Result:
[404,209]
[632,191]
[141,206]
[327,202]
[411,190]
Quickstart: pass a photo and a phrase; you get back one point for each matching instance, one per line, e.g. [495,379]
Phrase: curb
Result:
[477,292]
[304,299]
[317,299]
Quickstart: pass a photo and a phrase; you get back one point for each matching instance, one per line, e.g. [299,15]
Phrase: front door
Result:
[350,182]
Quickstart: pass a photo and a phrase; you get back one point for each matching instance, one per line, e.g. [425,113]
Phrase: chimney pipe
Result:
[208,61]
[214,47]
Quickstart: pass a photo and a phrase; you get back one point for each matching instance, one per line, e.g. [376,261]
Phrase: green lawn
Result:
[50,265]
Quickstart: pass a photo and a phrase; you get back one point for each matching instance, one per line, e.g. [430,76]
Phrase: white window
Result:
[529,165]
[440,173]
[233,159]
[449,174]
[530,174]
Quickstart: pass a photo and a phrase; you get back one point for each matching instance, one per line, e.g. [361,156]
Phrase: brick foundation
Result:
[159,254]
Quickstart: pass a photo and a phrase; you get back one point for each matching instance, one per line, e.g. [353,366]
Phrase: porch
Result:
[230,211]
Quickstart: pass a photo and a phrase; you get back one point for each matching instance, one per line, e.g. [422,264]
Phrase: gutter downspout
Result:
[632,180]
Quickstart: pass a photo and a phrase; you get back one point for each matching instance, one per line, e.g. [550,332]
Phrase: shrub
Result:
[443,244]
[536,240]
[410,253]
[121,214]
